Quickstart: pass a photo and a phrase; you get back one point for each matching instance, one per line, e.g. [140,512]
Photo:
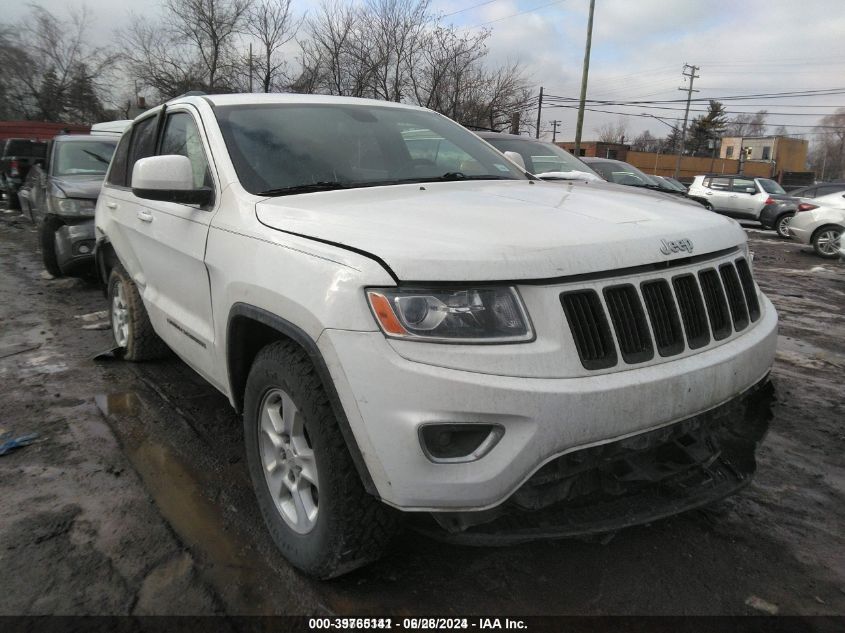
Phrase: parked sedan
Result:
[543,159]
[60,197]
[820,227]
[623,173]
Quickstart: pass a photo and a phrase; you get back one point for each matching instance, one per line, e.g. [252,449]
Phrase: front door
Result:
[170,247]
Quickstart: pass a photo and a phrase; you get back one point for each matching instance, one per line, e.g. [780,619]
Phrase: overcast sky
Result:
[639,49]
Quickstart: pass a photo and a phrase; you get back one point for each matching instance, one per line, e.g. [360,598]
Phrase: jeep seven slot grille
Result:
[667,316]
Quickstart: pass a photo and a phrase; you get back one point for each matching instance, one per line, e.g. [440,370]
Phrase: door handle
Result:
[111,205]
[708,193]
[144,216]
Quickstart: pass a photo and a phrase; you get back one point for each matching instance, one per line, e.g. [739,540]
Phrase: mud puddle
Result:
[227,560]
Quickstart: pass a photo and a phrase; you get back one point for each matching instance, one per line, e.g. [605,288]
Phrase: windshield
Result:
[668,183]
[296,148]
[770,186]
[90,158]
[539,157]
[623,174]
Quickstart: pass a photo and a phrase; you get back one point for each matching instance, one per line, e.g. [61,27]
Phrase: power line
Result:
[515,14]
[474,6]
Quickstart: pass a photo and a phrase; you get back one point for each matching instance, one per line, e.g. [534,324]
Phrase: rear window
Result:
[26,148]
[770,186]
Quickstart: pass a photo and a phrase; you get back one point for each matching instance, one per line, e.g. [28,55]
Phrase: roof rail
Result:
[190,93]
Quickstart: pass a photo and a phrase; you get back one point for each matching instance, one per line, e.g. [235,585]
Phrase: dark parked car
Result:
[60,196]
[540,158]
[18,157]
[818,190]
[623,173]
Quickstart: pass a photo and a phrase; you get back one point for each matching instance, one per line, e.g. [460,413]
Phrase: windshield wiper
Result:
[450,176]
[323,185]
[97,156]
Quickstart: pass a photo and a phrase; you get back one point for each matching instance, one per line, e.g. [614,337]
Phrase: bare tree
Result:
[157,60]
[645,142]
[210,25]
[272,23]
[747,124]
[51,72]
[612,132]
[827,157]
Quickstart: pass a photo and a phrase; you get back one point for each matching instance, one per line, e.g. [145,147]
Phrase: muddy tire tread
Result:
[144,343]
[362,528]
[47,241]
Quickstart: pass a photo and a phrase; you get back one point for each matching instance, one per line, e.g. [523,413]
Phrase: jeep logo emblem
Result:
[676,246]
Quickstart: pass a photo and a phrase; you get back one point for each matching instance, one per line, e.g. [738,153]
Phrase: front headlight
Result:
[73,206]
[465,315]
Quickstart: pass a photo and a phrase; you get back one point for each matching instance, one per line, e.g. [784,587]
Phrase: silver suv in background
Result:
[746,198]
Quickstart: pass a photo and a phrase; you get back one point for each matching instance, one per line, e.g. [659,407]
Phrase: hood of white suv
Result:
[495,231]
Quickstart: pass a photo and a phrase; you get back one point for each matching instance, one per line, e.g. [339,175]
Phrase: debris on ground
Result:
[755,602]
[92,317]
[7,446]
[17,348]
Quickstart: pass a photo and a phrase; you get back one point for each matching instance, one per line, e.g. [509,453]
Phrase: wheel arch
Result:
[248,330]
[105,259]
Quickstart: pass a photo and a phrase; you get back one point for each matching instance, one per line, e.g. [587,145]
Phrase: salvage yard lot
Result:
[135,498]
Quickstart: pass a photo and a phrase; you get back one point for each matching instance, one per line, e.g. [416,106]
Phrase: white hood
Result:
[501,230]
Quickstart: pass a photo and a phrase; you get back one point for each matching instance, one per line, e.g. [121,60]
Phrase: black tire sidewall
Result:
[309,552]
[47,240]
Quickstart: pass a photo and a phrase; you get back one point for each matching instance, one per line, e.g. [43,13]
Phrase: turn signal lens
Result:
[385,315]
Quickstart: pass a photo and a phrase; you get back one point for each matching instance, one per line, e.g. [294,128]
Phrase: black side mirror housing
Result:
[203,196]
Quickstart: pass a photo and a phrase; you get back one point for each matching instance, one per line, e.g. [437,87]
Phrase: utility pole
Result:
[692,77]
[554,130]
[584,73]
[250,66]
[539,112]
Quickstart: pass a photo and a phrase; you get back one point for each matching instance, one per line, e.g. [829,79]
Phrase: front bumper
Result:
[653,475]
[387,398]
[75,245]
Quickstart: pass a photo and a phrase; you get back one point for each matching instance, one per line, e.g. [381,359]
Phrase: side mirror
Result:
[515,157]
[750,190]
[168,179]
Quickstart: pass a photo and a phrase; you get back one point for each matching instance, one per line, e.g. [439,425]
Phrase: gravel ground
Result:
[135,497]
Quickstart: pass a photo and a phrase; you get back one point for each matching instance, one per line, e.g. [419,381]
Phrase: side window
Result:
[117,171]
[729,151]
[181,137]
[744,185]
[143,143]
[720,184]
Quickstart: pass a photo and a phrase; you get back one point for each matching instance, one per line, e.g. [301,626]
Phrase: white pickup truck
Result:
[411,324]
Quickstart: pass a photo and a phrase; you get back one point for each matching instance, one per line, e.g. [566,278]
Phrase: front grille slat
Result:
[692,310]
[626,314]
[589,327]
[687,311]
[748,288]
[736,298]
[663,314]
[717,307]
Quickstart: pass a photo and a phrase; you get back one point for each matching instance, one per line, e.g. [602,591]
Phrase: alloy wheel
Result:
[120,317]
[828,242]
[287,458]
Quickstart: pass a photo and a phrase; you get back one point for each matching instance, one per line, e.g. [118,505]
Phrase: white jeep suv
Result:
[411,325]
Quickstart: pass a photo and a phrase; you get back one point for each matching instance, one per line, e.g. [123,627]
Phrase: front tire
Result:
[826,241]
[131,328]
[307,488]
[47,239]
[782,224]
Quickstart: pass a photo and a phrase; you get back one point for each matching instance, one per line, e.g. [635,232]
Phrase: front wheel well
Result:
[251,329]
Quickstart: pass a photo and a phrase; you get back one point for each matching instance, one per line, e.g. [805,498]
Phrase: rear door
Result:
[745,200]
[717,191]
